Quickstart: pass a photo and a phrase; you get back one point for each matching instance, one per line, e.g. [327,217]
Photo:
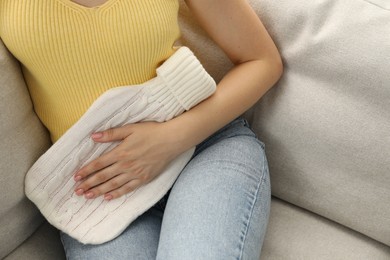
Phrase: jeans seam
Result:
[251,210]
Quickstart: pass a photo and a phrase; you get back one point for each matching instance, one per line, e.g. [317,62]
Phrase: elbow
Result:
[280,67]
[276,66]
[271,64]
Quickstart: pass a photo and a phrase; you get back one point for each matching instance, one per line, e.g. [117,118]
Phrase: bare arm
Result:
[147,148]
[235,27]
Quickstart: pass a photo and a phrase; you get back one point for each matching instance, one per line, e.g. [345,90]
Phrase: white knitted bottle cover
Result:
[180,84]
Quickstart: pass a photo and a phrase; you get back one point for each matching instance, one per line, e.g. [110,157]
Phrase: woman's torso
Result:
[71,54]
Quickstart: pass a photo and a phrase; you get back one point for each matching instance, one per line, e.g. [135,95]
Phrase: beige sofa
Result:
[326,126]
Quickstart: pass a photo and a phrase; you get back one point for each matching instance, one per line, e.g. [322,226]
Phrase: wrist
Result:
[179,135]
[174,138]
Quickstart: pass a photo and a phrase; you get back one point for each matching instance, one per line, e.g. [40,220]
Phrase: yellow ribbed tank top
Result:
[71,54]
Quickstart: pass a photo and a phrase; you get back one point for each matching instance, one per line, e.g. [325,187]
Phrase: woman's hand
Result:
[145,150]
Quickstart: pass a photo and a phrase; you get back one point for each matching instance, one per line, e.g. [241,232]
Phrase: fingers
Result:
[99,178]
[104,173]
[98,164]
[112,134]
[113,188]
[134,162]
[124,189]
[112,182]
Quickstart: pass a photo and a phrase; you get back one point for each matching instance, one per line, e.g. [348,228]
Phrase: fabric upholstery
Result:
[326,124]
[294,233]
[44,244]
[23,140]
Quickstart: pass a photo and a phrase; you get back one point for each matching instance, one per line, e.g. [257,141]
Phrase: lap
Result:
[217,209]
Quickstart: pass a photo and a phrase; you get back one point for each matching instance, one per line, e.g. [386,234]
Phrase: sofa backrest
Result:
[23,140]
[326,124]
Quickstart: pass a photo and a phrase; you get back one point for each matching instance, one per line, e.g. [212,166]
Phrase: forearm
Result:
[241,88]
[241,35]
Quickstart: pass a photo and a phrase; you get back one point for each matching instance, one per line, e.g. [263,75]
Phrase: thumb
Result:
[112,134]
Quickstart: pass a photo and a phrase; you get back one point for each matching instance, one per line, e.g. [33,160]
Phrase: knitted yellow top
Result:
[71,54]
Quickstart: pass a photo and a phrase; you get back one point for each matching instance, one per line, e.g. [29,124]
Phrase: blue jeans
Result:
[217,209]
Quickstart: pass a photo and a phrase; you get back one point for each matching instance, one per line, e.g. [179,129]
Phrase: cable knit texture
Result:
[72,54]
[180,84]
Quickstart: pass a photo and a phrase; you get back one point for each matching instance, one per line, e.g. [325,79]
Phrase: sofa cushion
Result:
[23,140]
[44,244]
[294,233]
[326,124]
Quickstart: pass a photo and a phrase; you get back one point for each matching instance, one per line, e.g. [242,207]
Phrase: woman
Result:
[73,51]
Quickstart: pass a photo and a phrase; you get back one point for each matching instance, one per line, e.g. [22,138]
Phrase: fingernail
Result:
[77,177]
[97,135]
[108,197]
[89,195]
[79,192]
